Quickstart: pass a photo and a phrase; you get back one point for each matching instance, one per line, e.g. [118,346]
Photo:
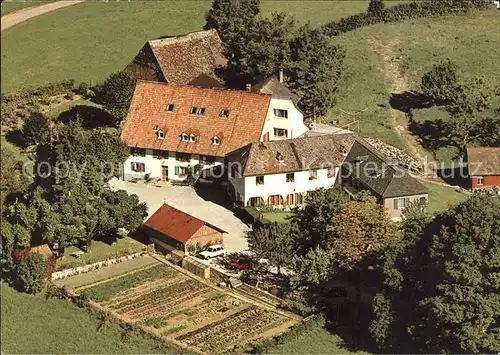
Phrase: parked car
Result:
[213,251]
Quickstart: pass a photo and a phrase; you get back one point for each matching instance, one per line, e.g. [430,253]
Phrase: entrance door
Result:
[164,173]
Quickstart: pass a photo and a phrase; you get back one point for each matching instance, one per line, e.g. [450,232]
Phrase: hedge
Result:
[401,12]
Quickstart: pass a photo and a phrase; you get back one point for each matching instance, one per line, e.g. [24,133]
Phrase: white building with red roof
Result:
[173,130]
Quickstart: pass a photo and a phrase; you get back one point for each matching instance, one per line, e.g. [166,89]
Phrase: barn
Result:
[172,229]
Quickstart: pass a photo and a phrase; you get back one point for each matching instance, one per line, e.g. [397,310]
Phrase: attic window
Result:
[192,138]
[184,137]
[216,140]
[170,107]
[161,134]
[225,113]
[279,157]
[195,110]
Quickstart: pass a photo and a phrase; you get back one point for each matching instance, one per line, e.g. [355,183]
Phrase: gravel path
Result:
[22,15]
[106,272]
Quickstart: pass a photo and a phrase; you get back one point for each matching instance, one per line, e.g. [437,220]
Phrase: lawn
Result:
[100,251]
[56,110]
[442,197]
[313,341]
[105,290]
[33,325]
[277,216]
[94,39]
[11,6]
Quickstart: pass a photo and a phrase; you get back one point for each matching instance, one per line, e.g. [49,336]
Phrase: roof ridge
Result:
[141,81]
[184,37]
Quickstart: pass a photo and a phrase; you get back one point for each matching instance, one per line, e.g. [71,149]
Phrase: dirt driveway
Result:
[22,15]
[187,199]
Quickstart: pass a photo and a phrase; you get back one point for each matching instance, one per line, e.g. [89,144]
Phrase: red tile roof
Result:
[176,224]
[244,125]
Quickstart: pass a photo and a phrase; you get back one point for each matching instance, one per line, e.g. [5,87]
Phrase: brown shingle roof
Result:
[246,119]
[484,161]
[375,172]
[176,224]
[298,154]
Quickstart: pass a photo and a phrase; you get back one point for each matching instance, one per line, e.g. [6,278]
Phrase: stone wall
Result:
[398,156]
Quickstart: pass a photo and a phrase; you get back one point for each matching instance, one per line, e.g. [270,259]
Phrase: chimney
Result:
[281,76]
[249,87]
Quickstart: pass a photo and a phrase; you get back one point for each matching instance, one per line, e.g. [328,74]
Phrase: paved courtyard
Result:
[186,199]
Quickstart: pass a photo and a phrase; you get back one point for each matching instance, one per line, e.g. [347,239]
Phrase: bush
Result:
[295,302]
[30,273]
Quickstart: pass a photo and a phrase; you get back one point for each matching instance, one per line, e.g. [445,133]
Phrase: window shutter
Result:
[176,170]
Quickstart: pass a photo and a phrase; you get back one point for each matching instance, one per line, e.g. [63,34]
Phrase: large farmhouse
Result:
[280,173]
[173,130]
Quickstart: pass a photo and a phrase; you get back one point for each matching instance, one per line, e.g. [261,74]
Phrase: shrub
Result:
[30,272]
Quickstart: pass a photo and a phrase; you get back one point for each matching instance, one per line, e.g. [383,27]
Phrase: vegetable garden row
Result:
[182,308]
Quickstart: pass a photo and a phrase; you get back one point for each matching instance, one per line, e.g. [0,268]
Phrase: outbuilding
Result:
[170,228]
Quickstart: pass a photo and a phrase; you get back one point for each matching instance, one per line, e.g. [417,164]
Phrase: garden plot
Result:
[190,312]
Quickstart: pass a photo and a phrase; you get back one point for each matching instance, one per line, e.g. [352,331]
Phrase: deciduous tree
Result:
[274,242]
[440,82]
[36,129]
[315,219]
[441,290]
[315,69]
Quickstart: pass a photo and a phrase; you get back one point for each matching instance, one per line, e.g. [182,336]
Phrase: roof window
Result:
[170,107]
[195,110]
[225,113]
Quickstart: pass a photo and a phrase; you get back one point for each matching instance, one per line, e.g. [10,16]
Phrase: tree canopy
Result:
[441,291]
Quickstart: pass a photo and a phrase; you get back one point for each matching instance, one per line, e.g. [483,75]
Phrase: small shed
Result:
[169,228]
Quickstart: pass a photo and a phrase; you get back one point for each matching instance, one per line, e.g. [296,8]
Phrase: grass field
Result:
[442,197]
[33,325]
[472,41]
[315,341]
[11,6]
[106,290]
[94,39]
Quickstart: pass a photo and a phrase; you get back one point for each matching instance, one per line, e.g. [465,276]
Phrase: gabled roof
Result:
[176,224]
[247,115]
[180,59]
[292,155]
[272,86]
[374,170]
[484,160]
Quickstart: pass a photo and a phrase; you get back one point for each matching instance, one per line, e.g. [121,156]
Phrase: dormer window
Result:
[279,157]
[195,110]
[192,138]
[225,113]
[160,134]
[170,107]
[216,140]
[184,137]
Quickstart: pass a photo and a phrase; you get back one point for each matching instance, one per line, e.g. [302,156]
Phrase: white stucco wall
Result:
[276,184]
[154,165]
[294,123]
